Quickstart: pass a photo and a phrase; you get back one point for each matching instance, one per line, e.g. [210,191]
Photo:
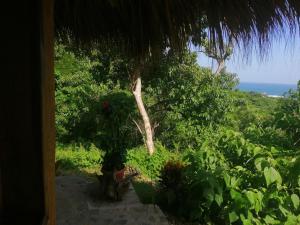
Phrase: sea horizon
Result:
[257,82]
[270,89]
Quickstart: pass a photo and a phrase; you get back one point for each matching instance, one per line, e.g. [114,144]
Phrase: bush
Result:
[171,186]
[268,136]
[184,99]
[79,157]
[149,166]
[287,116]
[88,107]
[230,180]
[238,174]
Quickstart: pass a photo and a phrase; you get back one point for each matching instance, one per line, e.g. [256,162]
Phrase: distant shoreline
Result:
[287,84]
[268,89]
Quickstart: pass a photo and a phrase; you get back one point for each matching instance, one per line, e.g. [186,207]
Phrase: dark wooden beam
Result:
[48,109]
[27,115]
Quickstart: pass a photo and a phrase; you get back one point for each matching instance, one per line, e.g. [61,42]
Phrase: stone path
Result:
[77,204]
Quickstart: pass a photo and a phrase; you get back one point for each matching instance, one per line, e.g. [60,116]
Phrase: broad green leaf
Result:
[240,168]
[233,217]
[234,182]
[270,220]
[260,164]
[245,221]
[239,151]
[243,141]
[255,198]
[274,150]
[272,175]
[238,198]
[209,194]
[256,150]
[227,180]
[291,220]
[284,211]
[295,200]
[219,199]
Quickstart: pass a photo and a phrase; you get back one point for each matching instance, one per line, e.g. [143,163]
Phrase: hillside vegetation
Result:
[222,156]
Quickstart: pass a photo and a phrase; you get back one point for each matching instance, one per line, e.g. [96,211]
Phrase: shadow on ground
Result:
[78,203]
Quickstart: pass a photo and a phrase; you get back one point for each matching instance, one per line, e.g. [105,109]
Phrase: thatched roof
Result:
[138,26]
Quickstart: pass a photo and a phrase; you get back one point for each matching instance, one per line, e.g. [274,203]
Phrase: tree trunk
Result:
[221,65]
[137,92]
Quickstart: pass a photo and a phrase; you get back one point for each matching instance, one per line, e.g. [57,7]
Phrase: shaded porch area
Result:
[78,203]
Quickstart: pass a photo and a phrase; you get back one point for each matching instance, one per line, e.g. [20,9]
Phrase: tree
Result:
[140,29]
[128,74]
[185,99]
[137,92]
[219,54]
[92,103]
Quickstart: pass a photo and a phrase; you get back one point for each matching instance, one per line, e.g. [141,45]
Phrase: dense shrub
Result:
[251,108]
[288,115]
[172,186]
[149,166]
[79,156]
[230,157]
[268,136]
[187,99]
[75,95]
[230,180]
[83,90]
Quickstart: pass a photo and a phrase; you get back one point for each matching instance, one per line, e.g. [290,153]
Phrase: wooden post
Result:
[27,134]
[48,110]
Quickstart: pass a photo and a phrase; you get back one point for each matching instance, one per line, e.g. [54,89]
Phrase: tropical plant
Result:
[288,115]
[230,180]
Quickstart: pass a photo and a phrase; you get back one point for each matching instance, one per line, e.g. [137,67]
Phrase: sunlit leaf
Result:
[270,220]
[295,200]
[272,175]
[219,199]
[256,150]
[233,217]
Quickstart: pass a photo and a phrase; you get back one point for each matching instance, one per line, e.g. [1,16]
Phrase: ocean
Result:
[269,89]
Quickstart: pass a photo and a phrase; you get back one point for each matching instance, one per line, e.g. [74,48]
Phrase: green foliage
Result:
[171,186]
[255,116]
[251,108]
[76,93]
[229,180]
[171,175]
[288,115]
[79,157]
[269,136]
[193,93]
[80,96]
[222,156]
[187,99]
[114,128]
[149,166]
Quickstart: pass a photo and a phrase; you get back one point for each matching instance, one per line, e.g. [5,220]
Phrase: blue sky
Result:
[282,64]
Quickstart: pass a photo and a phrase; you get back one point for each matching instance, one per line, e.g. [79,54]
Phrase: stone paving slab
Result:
[78,204]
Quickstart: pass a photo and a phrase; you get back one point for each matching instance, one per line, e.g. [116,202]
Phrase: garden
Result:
[221,156]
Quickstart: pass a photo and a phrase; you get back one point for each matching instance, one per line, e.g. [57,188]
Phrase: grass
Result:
[78,160]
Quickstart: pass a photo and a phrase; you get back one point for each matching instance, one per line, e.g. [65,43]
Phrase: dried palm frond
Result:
[142,27]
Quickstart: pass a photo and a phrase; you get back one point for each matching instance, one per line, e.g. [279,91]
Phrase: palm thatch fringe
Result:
[141,27]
